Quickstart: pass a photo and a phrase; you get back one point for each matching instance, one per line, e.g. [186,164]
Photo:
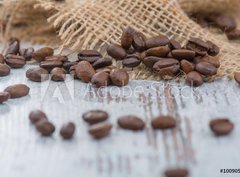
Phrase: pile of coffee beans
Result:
[197,59]
[226,23]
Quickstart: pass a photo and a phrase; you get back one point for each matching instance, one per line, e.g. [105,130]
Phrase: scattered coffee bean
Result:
[226,23]
[4,96]
[85,71]
[150,61]
[72,71]
[90,56]
[206,68]
[37,74]
[174,44]
[194,79]
[67,130]
[157,41]
[212,59]
[49,65]
[131,122]
[177,172]
[161,51]
[37,115]
[15,61]
[119,77]
[27,53]
[95,116]
[221,126]
[1,59]
[61,58]
[197,45]
[116,51]
[163,122]
[68,64]
[127,37]
[167,67]
[45,127]
[183,54]
[139,41]
[187,66]
[213,49]
[13,46]
[234,35]
[100,130]
[17,90]
[40,54]
[58,74]
[4,70]
[237,77]
[107,69]
[131,61]
[103,62]
[101,79]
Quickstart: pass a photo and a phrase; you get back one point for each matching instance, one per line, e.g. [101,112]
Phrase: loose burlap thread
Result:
[93,24]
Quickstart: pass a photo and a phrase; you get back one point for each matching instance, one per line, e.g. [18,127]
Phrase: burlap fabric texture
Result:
[92,24]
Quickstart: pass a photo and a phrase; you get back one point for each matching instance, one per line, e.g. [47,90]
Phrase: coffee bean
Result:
[157,41]
[95,116]
[116,51]
[85,71]
[67,130]
[139,41]
[150,61]
[167,67]
[4,70]
[187,66]
[226,23]
[13,46]
[37,74]
[107,69]
[27,53]
[119,77]
[37,115]
[103,62]
[131,122]
[4,96]
[40,54]
[61,58]
[161,51]
[212,59]
[234,35]
[183,54]
[100,130]
[58,74]
[163,122]
[1,59]
[17,90]
[206,68]
[237,77]
[212,17]
[176,172]
[49,65]
[68,64]
[131,61]
[213,49]
[45,127]
[72,71]
[174,44]
[101,79]
[127,37]
[194,79]
[198,45]
[15,61]
[89,55]
[221,126]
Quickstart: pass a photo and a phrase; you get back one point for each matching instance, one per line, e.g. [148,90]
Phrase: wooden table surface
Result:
[24,153]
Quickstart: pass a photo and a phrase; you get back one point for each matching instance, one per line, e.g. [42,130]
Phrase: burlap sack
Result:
[88,24]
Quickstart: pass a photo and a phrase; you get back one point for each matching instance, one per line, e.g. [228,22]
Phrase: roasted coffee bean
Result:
[127,37]
[237,77]
[212,59]
[107,69]
[40,54]
[4,96]
[4,70]
[27,53]
[58,74]
[100,130]
[212,17]
[49,65]
[226,23]
[15,61]
[37,115]
[116,51]
[176,172]
[103,62]
[199,18]
[167,67]
[221,126]
[84,71]
[13,46]
[163,122]
[61,58]
[72,71]
[187,66]
[131,61]
[198,45]
[174,44]
[45,127]
[161,51]
[37,74]
[90,56]
[213,49]
[101,79]
[119,77]
[183,54]
[139,41]
[17,90]
[234,35]
[206,68]
[194,79]
[67,130]
[1,59]
[95,116]
[131,122]
[157,41]
[68,64]
[150,61]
